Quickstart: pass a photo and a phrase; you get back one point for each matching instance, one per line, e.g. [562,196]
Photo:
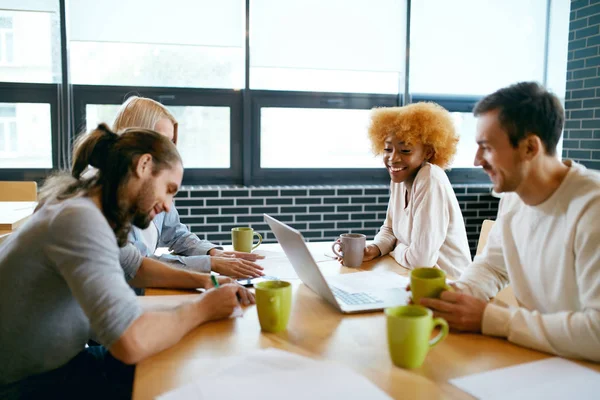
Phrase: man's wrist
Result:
[202,280]
[495,320]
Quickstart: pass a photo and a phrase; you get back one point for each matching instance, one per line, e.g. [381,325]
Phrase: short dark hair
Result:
[526,108]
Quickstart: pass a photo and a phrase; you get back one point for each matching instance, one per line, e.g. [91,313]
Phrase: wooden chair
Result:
[18,191]
[483,235]
[506,295]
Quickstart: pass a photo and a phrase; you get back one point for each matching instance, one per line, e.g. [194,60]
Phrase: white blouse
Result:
[428,230]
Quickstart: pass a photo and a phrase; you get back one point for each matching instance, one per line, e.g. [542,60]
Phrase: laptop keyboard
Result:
[354,298]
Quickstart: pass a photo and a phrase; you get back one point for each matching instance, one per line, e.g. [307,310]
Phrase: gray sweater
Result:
[60,283]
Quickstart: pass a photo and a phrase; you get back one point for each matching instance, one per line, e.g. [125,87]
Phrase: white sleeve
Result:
[431,218]
[385,238]
[568,333]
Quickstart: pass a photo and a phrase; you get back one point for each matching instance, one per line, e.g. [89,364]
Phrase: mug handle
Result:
[259,240]
[443,332]
[335,251]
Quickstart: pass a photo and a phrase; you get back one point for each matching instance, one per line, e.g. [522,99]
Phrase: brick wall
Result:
[582,99]
[321,213]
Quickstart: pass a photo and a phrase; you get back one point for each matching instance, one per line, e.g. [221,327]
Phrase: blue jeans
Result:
[92,374]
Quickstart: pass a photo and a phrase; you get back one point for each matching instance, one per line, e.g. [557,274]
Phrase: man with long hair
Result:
[61,281]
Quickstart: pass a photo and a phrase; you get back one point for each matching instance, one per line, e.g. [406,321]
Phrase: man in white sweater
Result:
[545,242]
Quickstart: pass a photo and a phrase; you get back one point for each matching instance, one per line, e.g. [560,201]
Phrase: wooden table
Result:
[14,213]
[319,331]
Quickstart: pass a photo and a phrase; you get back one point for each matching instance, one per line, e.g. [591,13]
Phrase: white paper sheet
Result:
[552,378]
[369,281]
[275,374]
[279,267]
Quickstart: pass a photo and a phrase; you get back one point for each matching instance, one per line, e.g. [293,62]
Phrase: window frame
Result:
[116,95]
[68,102]
[39,93]
[318,100]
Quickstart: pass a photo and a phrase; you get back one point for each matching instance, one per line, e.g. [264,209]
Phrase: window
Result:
[25,135]
[465,124]
[473,47]
[328,45]
[6,40]
[315,138]
[30,43]
[203,140]
[209,125]
[256,89]
[149,44]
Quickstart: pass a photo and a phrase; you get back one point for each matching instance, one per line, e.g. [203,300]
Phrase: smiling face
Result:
[500,160]
[403,160]
[154,193]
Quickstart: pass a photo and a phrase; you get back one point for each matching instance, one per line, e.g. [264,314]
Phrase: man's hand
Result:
[462,311]
[235,254]
[245,296]
[219,303]
[235,267]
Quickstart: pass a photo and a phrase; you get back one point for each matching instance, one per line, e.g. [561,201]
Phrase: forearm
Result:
[409,256]
[153,273]
[190,263]
[482,281]
[155,331]
[567,334]
[385,240]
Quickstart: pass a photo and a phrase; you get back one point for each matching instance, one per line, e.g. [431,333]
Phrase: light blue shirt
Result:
[186,249]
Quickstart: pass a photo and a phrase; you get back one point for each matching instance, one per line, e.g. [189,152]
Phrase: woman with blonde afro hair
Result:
[424,226]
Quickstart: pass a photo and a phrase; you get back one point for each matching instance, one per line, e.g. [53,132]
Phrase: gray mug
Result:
[352,247]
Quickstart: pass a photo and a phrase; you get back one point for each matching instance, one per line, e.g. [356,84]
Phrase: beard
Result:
[142,207]
[141,219]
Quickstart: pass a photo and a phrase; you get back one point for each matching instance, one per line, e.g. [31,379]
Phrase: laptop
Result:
[297,252]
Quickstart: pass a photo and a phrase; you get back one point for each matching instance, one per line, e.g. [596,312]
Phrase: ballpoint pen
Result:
[214,280]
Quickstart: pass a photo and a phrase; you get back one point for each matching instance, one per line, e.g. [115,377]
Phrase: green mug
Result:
[427,282]
[273,302]
[243,239]
[409,329]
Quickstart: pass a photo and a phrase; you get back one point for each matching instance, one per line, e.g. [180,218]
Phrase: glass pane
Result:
[315,138]
[148,44]
[465,124]
[328,45]
[12,129]
[156,65]
[474,47]
[558,43]
[27,135]
[30,44]
[2,139]
[9,53]
[203,134]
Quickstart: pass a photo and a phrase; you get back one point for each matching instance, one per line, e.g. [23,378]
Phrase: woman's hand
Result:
[235,267]
[235,254]
[371,252]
